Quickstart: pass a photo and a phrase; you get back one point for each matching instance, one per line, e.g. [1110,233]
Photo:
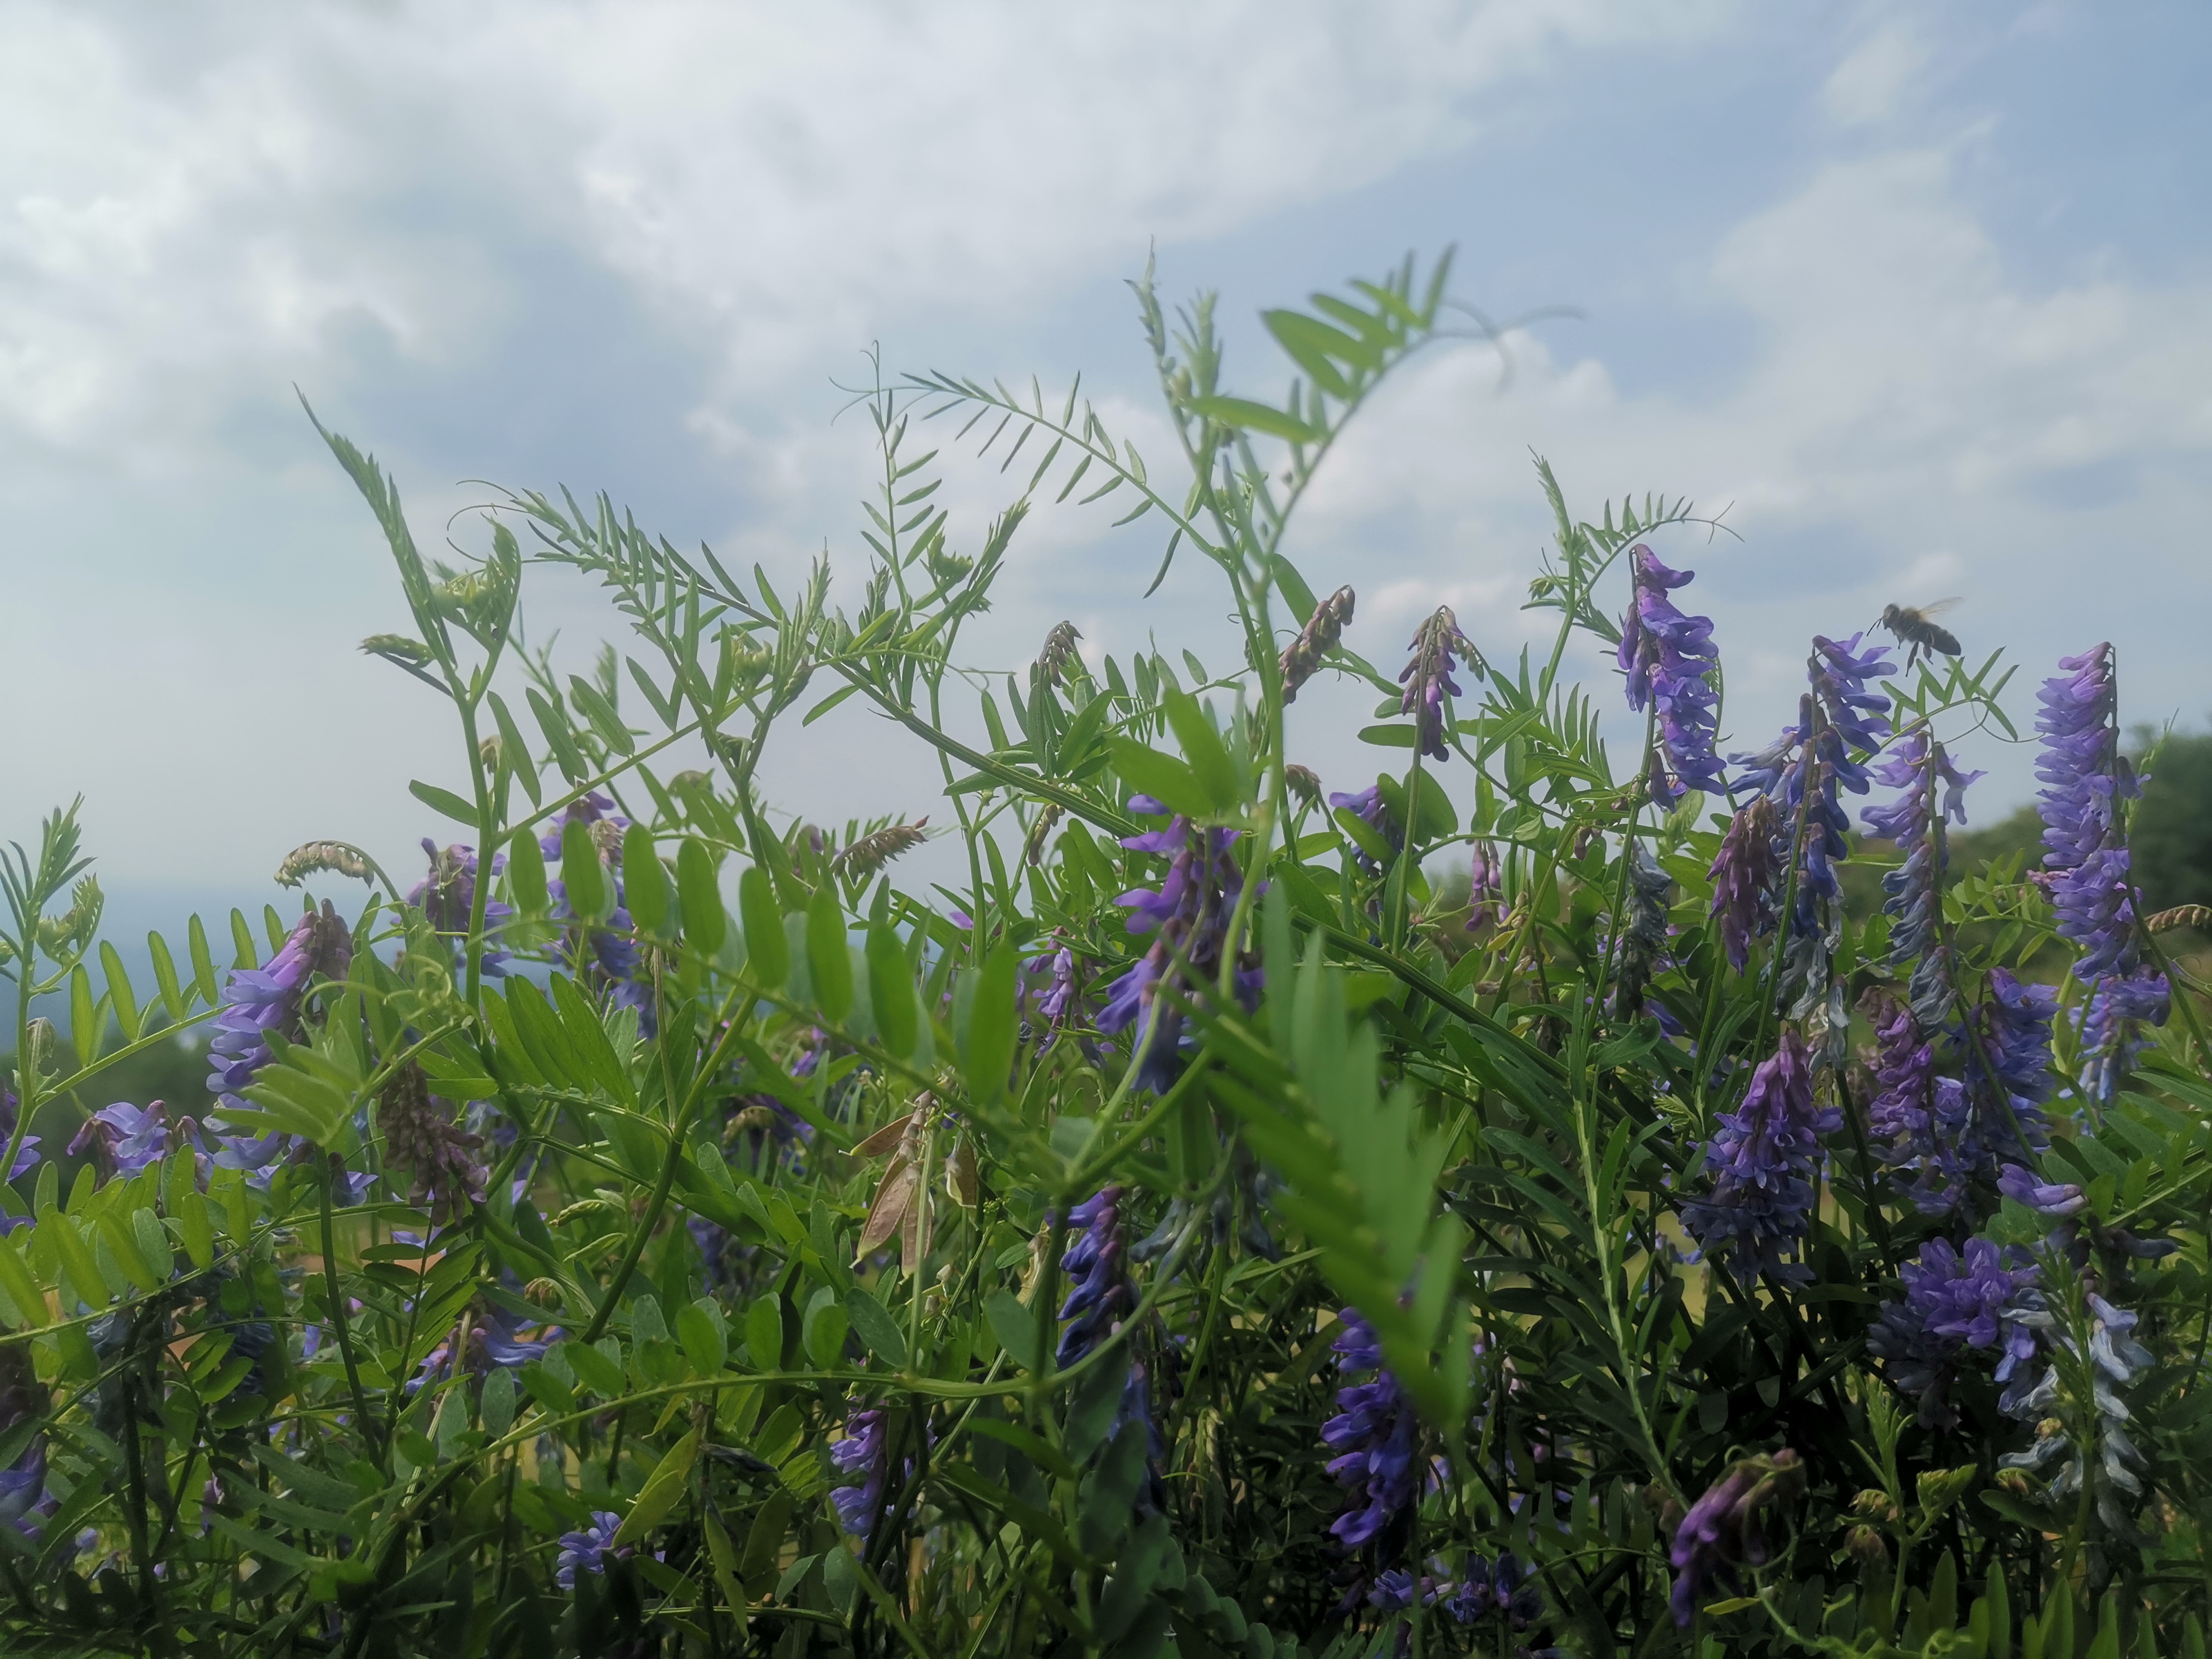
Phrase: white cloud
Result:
[1868,86]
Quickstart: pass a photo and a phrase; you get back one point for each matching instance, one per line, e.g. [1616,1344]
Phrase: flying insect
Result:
[1912,628]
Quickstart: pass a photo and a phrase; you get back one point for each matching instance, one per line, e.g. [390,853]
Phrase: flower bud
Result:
[1875,1503]
[543,1292]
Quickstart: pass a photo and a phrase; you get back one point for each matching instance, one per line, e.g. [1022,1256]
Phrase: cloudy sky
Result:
[1922,296]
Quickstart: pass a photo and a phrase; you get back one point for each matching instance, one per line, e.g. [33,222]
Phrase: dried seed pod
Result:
[1301,657]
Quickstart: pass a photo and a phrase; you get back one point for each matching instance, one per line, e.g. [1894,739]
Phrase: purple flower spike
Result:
[125,1139]
[1667,656]
[2023,1185]
[259,1001]
[1188,913]
[1367,805]
[1915,822]
[1374,1435]
[1762,1161]
[1744,877]
[865,1451]
[1428,680]
[1951,1303]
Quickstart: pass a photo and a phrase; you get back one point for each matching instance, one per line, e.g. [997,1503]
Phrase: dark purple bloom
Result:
[1188,915]
[1724,1529]
[422,1133]
[259,1001]
[1058,998]
[490,1342]
[1915,821]
[1374,1437]
[1667,656]
[25,1503]
[589,1550]
[1100,1295]
[2009,1068]
[1762,1161]
[865,1451]
[1744,876]
[1485,891]
[2085,778]
[1918,1118]
[1301,657]
[1951,1303]
[1428,680]
[1507,1590]
[125,1139]
[447,896]
[1644,941]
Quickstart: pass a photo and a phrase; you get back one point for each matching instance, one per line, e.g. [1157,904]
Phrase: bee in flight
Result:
[1912,628]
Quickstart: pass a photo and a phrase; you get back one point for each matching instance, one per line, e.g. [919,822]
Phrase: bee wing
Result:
[884,1139]
[1936,607]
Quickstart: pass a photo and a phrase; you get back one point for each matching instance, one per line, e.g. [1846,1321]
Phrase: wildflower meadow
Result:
[1509,1202]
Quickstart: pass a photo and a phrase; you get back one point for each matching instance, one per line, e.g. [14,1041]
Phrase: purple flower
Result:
[1744,876]
[865,1451]
[24,1501]
[1762,1161]
[1374,1435]
[125,1139]
[27,1155]
[1301,657]
[489,1342]
[1485,891]
[1506,1590]
[447,897]
[2111,1027]
[1100,1294]
[1915,822]
[1368,807]
[259,1001]
[2009,1068]
[1666,656]
[1917,1117]
[1724,1529]
[1951,1303]
[2085,779]
[1058,997]
[2023,1185]
[1428,680]
[1188,915]
[589,1549]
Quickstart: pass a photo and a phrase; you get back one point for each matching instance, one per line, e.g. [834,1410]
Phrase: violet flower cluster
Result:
[1919,767]
[1953,1304]
[1667,657]
[1375,1437]
[447,897]
[1188,915]
[1368,807]
[1763,1160]
[1505,1590]
[2087,864]
[590,1549]
[865,1453]
[2087,1440]
[1744,876]
[258,1001]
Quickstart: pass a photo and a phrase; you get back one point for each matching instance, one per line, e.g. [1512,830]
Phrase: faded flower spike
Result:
[1059,655]
[1428,680]
[872,851]
[1725,1528]
[338,857]
[1301,658]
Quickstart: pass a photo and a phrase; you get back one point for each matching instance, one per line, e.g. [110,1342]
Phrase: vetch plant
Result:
[1512,1201]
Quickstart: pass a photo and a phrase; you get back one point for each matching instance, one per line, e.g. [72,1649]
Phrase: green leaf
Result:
[1202,749]
[645,884]
[497,1405]
[444,802]
[165,977]
[595,1370]
[829,958]
[768,955]
[514,750]
[994,1025]
[891,993]
[700,895]
[1249,416]
[878,1331]
[1390,737]
[525,873]
[1015,1326]
[699,1328]
[1166,778]
[203,980]
[1311,345]
[121,997]
[823,1336]
[663,1490]
[590,894]
[764,1334]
